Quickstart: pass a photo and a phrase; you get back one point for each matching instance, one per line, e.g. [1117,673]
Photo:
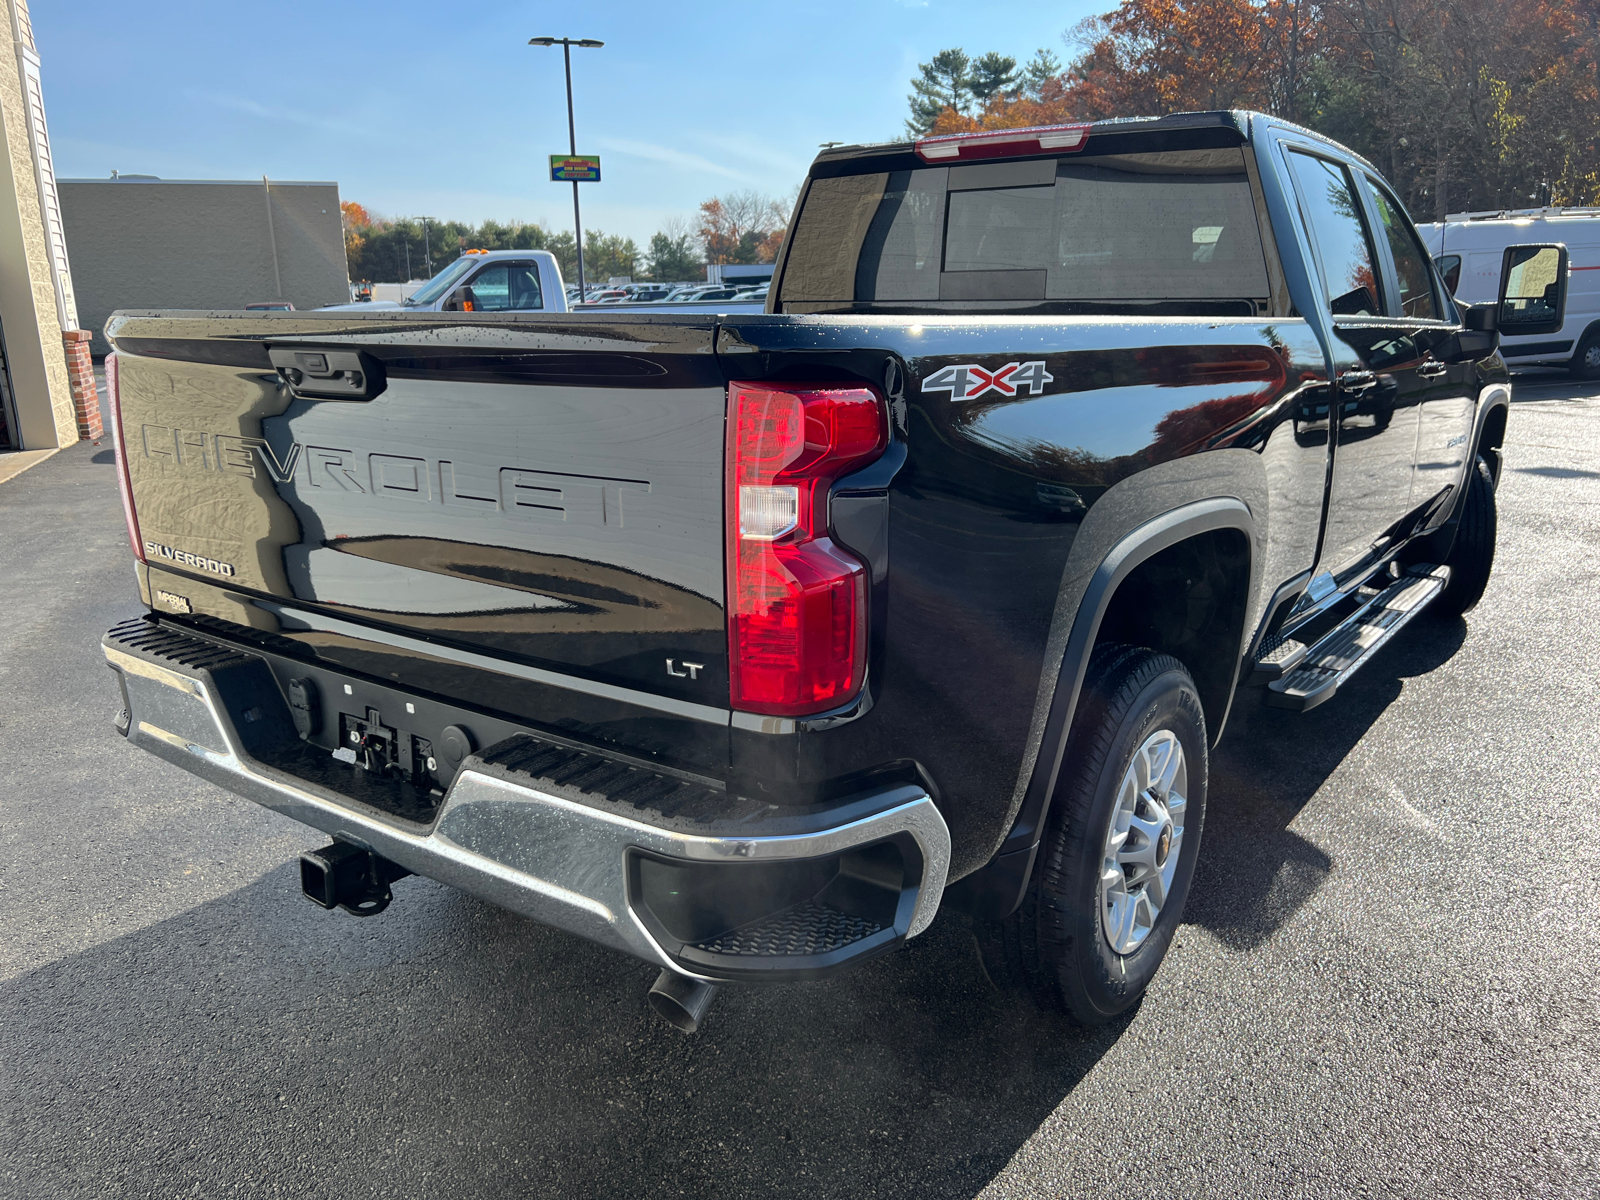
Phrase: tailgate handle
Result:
[317,374]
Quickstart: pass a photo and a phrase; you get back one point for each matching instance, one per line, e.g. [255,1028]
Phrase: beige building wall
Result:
[197,244]
[30,322]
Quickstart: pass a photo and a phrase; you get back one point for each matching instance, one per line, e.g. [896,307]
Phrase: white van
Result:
[1468,248]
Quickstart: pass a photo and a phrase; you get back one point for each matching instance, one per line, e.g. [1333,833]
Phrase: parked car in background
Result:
[705,293]
[1468,248]
[485,281]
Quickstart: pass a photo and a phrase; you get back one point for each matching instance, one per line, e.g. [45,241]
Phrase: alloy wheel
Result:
[1143,841]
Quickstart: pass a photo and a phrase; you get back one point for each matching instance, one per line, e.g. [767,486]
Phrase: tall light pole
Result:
[566,45]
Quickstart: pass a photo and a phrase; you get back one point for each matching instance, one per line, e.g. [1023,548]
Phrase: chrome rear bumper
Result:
[557,861]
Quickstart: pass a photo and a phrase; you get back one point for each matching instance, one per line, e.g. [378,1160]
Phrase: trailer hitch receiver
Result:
[350,877]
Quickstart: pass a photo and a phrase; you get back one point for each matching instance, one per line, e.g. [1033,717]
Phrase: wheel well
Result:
[1189,601]
[1493,438]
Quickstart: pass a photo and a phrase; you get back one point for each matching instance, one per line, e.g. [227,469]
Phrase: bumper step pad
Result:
[159,644]
[1347,648]
[630,789]
[809,928]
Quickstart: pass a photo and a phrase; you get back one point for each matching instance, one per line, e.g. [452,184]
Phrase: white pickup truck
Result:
[520,281]
[486,281]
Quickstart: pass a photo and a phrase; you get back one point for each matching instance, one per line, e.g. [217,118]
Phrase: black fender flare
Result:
[1493,395]
[996,889]
[1436,543]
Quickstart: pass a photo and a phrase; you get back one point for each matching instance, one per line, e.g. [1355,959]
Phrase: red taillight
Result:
[995,143]
[797,603]
[124,482]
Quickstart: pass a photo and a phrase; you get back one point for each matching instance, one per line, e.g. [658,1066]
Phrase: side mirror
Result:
[1476,340]
[463,299]
[1533,289]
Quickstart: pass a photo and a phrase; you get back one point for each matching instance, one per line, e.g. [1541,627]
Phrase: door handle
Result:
[1432,370]
[1357,381]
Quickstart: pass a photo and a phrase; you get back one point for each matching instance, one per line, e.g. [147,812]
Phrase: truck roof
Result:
[1227,126]
[1227,119]
[1548,213]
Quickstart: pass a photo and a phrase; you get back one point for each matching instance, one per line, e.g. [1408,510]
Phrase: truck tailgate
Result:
[546,491]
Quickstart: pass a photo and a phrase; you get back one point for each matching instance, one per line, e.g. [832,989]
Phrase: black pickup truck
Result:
[742,643]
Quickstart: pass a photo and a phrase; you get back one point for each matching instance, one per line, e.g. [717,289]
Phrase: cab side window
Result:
[1333,214]
[1410,263]
[508,287]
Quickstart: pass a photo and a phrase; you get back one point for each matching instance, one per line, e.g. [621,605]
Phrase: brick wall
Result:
[80,372]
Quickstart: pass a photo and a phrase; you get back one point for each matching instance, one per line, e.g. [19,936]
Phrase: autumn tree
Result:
[742,227]
[1481,104]
[355,221]
[1472,105]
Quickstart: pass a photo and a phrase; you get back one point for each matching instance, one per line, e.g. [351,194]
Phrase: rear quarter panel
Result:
[1006,505]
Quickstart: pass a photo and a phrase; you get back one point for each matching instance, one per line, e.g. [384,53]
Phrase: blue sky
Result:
[444,110]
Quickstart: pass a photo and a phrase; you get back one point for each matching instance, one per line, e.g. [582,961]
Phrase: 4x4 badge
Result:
[968,381]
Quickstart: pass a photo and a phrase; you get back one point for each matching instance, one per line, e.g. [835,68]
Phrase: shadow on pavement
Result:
[1557,472]
[448,1048]
[1255,872]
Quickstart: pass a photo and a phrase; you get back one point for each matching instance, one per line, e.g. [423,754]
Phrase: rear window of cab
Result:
[1172,228]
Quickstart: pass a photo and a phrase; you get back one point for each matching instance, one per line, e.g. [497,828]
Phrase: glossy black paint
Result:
[445,674]
[552,495]
[993,496]
[998,533]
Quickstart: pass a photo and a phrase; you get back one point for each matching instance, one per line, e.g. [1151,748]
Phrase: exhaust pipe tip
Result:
[680,1001]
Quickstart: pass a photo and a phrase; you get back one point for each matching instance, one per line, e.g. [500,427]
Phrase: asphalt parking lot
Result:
[1388,985]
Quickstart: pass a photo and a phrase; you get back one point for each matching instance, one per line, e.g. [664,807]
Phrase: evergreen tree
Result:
[606,255]
[943,83]
[673,259]
[1042,67]
[993,75]
[565,247]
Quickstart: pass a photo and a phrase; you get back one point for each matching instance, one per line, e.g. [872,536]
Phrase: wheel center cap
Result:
[1164,845]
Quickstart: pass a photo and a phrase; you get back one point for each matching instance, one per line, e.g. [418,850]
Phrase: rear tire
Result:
[1472,557]
[1119,850]
[1585,363]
